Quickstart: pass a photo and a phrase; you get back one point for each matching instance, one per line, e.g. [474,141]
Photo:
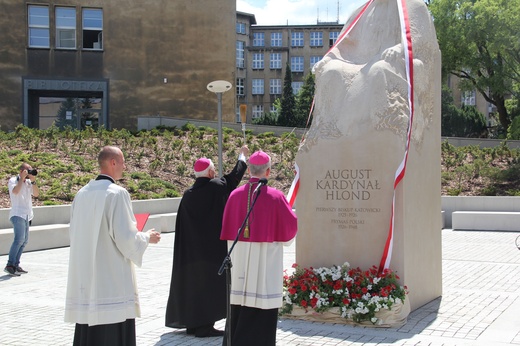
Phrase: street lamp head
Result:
[219,86]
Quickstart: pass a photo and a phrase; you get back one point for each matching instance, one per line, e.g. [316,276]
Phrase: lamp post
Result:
[219,87]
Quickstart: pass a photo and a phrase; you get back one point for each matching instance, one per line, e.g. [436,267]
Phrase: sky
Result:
[295,12]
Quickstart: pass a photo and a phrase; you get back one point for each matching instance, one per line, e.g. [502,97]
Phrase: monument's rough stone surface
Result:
[356,142]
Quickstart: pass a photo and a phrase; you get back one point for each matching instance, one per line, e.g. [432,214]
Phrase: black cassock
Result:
[197,293]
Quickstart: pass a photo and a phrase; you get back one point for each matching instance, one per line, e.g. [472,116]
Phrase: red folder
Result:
[141,220]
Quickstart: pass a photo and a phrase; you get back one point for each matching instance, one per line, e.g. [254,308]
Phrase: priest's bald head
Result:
[111,162]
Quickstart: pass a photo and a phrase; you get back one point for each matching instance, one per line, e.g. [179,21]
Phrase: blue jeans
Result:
[21,236]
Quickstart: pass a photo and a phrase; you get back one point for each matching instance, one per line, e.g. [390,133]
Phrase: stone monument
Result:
[357,142]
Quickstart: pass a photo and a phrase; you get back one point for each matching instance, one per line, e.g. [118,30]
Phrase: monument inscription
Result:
[347,185]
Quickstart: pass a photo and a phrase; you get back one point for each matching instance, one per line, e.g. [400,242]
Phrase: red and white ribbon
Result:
[295,186]
[406,38]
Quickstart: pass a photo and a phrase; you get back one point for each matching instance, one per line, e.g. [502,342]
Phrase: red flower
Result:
[292,291]
[364,290]
[346,301]
[303,287]
[314,301]
[303,303]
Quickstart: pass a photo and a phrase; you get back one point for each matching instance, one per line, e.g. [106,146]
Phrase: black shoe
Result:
[11,271]
[212,332]
[191,331]
[19,270]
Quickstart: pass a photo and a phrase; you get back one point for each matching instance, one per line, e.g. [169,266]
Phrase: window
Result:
[276,61]
[276,39]
[258,111]
[314,60]
[240,54]
[92,28]
[316,39]
[297,63]
[468,98]
[65,27]
[296,86]
[275,86]
[241,28]
[273,109]
[258,87]
[297,39]
[240,87]
[258,39]
[258,61]
[333,36]
[39,35]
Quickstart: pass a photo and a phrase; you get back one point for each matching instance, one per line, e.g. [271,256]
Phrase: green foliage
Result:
[270,119]
[479,44]
[460,122]
[268,134]
[188,127]
[514,129]
[304,102]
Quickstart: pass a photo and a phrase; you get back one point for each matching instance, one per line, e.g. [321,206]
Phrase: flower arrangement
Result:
[358,294]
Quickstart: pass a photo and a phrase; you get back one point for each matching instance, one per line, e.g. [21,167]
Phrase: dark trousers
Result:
[252,326]
[117,334]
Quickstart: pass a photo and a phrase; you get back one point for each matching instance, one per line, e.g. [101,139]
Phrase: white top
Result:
[104,246]
[257,274]
[21,203]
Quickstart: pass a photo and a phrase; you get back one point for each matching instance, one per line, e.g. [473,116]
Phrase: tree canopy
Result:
[479,42]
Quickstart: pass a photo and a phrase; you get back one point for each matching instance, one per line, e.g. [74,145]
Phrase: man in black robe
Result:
[197,293]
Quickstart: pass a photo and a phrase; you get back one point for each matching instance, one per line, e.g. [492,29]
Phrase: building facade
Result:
[95,62]
[263,52]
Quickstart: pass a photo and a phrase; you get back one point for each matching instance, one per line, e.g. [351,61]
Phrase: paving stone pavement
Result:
[480,304]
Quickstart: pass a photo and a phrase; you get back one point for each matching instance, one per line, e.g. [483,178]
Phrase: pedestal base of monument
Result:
[394,318]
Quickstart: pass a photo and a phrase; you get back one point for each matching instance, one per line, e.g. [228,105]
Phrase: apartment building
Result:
[95,62]
[262,53]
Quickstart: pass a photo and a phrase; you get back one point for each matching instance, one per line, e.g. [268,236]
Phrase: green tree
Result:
[460,122]
[304,101]
[479,44]
[286,116]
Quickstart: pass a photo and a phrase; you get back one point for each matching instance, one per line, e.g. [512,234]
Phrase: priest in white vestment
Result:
[105,244]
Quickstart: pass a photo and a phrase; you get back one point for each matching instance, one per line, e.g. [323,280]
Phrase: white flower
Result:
[343,311]
[373,320]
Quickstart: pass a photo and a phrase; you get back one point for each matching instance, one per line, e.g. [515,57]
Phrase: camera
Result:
[32,172]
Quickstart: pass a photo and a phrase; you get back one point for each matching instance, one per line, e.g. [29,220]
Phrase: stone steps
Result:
[50,226]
